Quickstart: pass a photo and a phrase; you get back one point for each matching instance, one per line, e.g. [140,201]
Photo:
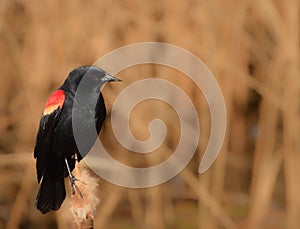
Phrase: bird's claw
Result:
[73,179]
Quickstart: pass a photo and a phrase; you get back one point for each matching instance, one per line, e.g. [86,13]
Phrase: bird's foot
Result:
[73,179]
[74,187]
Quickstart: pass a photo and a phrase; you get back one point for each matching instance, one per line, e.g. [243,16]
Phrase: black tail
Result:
[52,191]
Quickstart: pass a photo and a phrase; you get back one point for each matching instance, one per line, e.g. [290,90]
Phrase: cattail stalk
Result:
[83,208]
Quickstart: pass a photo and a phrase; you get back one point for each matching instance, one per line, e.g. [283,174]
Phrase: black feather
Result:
[52,191]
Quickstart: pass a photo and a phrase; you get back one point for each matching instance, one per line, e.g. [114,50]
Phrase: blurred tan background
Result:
[252,47]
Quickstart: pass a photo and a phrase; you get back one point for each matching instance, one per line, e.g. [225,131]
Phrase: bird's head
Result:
[95,76]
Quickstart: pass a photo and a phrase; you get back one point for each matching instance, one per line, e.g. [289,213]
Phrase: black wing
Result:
[45,133]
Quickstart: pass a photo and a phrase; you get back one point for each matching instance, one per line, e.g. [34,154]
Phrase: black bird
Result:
[56,150]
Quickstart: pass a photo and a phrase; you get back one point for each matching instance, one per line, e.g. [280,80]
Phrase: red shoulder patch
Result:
[54,101]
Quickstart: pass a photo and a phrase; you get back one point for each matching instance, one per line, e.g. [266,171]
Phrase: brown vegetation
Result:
[252,47]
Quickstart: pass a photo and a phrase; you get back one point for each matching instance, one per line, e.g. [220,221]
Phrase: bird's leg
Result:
[72,180]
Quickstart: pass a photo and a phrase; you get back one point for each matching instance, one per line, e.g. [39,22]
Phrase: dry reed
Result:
[252,47]
[83,204]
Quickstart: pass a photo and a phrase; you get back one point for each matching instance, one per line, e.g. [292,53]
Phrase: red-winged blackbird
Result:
[56,150]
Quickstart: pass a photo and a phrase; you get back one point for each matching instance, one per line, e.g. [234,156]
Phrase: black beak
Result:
[109,78]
